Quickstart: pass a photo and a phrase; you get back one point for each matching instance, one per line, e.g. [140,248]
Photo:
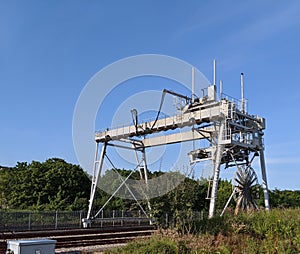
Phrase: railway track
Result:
[100,239]
[82,238]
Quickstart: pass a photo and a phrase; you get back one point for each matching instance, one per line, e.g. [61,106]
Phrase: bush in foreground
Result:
[154,245]
[258,232]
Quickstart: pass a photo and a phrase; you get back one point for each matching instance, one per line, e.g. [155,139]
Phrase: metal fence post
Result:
[113,218]
[139,217]
[29,221]
[80,219]
[56,216]
[122,218]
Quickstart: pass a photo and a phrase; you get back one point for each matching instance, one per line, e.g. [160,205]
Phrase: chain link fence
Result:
[23,221]
[51,220]
[44,220]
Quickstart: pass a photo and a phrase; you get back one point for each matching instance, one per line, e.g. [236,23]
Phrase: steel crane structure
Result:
[234,136]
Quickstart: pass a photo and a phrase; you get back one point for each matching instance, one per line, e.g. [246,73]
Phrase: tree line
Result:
[58,185]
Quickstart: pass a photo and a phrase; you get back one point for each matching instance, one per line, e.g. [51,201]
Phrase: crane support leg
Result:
[96,173]
[217,163]
[264,179]
[146,177]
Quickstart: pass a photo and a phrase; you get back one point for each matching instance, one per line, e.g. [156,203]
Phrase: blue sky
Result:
[50,49]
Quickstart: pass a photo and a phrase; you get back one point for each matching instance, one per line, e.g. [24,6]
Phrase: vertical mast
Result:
[242,91]
[193,84]
[221,89]
[215,80]
[215,74]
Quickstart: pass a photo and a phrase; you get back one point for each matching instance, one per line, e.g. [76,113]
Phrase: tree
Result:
[58,185]
[51,185]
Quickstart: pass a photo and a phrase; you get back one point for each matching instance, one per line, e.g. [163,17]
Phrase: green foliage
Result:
[276,231]
[258,232]
[51,185]
[224,191]
[285,198]
[213,226]
[190,195]
[153,245]
[57,185]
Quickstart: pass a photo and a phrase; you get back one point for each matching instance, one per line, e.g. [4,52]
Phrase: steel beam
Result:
[264,179]
[175,138]
[164,124]
[96,174]
[217,162]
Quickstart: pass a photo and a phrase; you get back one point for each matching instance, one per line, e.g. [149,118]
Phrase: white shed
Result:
[35,246]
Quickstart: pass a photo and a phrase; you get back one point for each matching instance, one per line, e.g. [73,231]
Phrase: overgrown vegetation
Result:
[58,185]
[258,232]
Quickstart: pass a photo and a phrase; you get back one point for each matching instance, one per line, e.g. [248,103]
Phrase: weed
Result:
[257,232]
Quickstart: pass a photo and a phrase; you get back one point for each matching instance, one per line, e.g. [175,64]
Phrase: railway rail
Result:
[81,238]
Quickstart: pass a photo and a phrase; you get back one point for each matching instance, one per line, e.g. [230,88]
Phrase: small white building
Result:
[35,246]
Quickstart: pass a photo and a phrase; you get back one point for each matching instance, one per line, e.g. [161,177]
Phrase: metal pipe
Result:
[228,201]
[221,89]
[193,84]
[242,91]
[215,72]
[177,94]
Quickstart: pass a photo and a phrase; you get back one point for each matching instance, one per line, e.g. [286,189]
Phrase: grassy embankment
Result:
[256,232]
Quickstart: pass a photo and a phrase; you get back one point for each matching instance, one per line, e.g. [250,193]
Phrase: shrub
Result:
[150,246]
[277,231]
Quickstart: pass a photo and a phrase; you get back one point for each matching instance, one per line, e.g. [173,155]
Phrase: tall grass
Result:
[277,231]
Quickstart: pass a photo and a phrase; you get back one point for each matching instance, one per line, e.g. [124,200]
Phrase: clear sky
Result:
[50,49]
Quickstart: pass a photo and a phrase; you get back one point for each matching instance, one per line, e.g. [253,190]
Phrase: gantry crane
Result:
[234,137]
